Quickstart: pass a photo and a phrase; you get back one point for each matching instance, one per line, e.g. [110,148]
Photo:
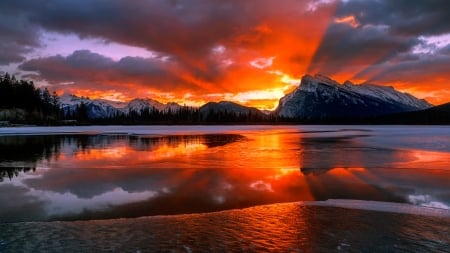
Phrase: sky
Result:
[252,52]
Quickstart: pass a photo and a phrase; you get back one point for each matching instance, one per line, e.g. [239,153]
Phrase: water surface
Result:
[291,227]
[116,172]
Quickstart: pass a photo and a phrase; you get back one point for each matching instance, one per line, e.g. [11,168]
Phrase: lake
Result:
[225,188]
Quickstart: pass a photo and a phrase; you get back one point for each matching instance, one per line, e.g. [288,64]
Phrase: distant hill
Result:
[226,106]
[229,111]
[321,98]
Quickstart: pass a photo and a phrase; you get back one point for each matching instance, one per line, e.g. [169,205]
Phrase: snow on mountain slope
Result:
[386,93]
[95,108]
[320,97]
[101,108]
[140,104]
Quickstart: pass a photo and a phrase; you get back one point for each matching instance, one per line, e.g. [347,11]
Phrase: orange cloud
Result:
[241,51]
[350,20]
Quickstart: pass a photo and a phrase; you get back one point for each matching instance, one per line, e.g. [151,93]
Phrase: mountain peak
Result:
[312,83]
[348,83]
[320,97]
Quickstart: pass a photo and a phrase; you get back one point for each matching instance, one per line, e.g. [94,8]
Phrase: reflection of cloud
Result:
[69,203]
[426,200]
[261,186]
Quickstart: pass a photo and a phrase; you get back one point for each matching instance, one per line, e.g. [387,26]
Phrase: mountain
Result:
[226,106]
[98,108]
[213,111]
[434,115]
[141,104]
[101,108]
[321,98]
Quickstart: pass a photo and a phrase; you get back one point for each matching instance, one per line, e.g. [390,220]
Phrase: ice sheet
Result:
[381,207]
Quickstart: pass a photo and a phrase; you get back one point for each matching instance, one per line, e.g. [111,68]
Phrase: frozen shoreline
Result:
[363,205]
[382,207]
[128,130]
[198,129]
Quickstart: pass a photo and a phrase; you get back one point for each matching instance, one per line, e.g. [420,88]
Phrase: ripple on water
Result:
[275,228]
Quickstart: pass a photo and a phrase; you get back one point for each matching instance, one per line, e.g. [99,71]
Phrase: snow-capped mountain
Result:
[320,97]
[97,108]
[101,108]
[139,104]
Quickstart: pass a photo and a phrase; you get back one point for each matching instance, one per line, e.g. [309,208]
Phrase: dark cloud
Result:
[18,38]
[187,32]
[81,65]
[345,47]
[431,66]
[402,17]
[367,33]
[164,26]
[85,68]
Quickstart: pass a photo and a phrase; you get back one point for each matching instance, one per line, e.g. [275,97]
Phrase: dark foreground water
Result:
[91,178]
[289,227]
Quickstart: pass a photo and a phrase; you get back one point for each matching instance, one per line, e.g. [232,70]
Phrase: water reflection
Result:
[109,176]
[22,153]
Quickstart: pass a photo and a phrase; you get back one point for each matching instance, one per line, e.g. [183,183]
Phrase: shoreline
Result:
[351,204]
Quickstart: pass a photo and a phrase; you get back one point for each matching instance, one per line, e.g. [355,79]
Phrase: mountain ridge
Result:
[316,97]
[320,97]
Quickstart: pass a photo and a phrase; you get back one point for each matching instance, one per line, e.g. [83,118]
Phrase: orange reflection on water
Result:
[346,175]
[215,172]
[123,155]
[417,158]
[118,152]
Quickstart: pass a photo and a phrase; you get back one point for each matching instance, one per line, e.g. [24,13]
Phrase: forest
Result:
[22,102]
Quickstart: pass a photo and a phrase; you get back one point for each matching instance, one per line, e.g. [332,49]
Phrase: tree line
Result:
[22,102]
[183,115]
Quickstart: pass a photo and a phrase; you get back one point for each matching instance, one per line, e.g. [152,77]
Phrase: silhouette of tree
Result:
[15,95]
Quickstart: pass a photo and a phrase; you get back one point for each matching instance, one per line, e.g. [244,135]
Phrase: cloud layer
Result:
[219,47]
